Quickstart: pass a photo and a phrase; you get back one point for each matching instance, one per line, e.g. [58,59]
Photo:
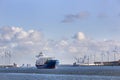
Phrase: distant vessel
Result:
[45,62]
[109,63]
[14,65]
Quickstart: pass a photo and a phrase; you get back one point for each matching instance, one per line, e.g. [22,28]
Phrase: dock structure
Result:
[8,66]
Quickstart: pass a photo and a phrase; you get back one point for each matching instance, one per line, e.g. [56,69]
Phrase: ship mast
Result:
[39,55]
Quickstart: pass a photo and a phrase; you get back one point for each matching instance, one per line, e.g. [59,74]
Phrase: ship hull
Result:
[50,64]
[111,63]
[114,63]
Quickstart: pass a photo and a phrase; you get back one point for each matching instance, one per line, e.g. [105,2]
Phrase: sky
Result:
[59,26]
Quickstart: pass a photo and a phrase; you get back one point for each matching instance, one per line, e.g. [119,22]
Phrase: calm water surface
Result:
[62,73]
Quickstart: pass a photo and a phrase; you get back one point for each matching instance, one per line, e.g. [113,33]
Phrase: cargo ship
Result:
[108,63]
[44,62]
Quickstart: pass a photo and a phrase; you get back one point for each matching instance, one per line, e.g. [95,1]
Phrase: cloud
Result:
[69,18]
[21,42]
[25,45]
[73,17]
[80,36]
[18,34]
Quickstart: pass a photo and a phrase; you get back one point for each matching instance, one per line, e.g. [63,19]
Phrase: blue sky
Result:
[59,27]
[102,20]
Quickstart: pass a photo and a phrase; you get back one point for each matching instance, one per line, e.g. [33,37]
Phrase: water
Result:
[23,76]
[62,73]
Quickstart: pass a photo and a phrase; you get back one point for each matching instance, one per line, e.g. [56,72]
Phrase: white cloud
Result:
[16,29]
[63,43]
[24,45]
[73,49]
[80,36]
[21,42]
[21,35]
